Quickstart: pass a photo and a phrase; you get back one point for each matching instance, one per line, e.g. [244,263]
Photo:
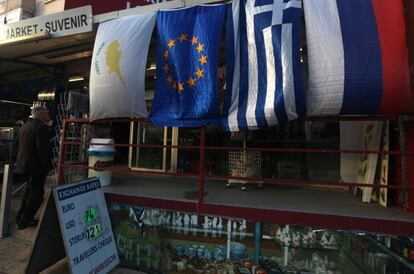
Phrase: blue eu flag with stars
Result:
[188,43]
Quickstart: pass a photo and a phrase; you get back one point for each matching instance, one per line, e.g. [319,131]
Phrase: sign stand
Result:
[48,247]
[76,224]
[6,200]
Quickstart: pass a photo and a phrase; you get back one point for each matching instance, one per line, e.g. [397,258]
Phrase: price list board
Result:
[86,227]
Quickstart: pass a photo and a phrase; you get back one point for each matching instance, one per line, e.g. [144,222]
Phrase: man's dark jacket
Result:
[34,152]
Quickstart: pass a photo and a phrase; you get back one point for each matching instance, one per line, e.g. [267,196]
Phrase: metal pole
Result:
[245,164]
[17,190]
[404,165]
[201,167]
[61,161]
[5,200]
[229,232]
[257,243]
[286,251]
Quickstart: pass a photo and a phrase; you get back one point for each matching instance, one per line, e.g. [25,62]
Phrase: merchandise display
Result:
[159,241]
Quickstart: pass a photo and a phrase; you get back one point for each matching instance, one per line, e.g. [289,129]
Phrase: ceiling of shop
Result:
[45,54]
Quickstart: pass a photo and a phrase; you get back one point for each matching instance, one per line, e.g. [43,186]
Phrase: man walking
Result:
[34,161]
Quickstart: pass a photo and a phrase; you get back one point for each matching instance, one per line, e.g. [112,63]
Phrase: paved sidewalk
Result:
[15,249]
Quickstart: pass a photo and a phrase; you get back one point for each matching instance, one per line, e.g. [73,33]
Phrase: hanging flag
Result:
[358,60]
[264,75]
[188,43]
[117,87]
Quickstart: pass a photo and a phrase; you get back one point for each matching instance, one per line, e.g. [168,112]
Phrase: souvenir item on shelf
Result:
[154,217]
[234,226]
[296,239]
[243,225]
[174,219]
[243,270]
[219,254]
[207,255]
[168,220]
[312,237]
[324,240]
[220,224]
[179,220]
[214,222]
[180,266]
[279,234]
[186,220]
[305,240]
[287,240]
[332,241]
[237,251]
[194,221]
[207,223]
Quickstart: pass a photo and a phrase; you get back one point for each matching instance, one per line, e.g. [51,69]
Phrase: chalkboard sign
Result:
[86,227]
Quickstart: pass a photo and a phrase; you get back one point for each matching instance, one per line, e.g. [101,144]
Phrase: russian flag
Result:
[358,58]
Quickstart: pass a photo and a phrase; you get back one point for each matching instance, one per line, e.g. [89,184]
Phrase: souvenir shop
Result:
[284,193]
[285,198]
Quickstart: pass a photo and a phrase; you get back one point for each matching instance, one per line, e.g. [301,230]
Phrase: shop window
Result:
[164,241]
[152,158]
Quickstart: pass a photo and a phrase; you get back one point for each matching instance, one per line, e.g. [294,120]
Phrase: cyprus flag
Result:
[117,87]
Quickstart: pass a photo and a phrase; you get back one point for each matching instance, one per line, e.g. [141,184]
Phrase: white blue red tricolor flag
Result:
[264,73]
[358,60]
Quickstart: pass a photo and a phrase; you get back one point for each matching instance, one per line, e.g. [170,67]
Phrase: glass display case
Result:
[160,241]
[308,250]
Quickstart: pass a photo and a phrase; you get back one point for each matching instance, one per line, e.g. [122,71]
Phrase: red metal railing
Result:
[201,207]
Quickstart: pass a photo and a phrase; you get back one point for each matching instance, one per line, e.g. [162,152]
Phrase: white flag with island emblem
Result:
[117,78]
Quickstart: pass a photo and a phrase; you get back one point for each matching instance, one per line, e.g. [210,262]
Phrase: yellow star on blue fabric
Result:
[190,82]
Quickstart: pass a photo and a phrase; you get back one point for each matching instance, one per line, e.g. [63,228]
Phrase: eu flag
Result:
[188,43]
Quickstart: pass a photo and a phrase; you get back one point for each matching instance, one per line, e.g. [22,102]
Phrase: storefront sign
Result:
[86,227]
[58,24]
[12,16]
[103,6]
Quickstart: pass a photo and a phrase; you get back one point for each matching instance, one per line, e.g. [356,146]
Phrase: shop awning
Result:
[44,53]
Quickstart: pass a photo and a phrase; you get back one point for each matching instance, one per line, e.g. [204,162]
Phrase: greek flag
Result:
[264,74]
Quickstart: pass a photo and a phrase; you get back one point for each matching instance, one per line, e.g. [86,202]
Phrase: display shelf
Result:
[294,204]
[192,238]
[316,247]
[210,240]
[392,254]
[180,243]
[209,231]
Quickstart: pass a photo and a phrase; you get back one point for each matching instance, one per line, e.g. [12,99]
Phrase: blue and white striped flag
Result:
[264,74]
